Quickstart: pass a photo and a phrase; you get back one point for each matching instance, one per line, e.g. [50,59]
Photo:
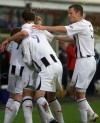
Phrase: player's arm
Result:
[49,36]
[19,35]
[51,28]
[26,54]
[63,38]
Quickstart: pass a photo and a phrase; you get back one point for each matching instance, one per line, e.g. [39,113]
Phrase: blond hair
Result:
[38,20]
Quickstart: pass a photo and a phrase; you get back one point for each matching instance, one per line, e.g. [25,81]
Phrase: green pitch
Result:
[69,109]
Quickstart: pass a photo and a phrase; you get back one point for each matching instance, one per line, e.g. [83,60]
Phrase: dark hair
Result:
[77,8]
[15,30]
[28,15]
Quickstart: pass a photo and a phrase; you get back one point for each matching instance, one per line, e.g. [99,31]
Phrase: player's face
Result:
[72,15]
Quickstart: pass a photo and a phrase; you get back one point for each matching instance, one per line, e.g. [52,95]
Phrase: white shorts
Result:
[29,78]
[15,84]
[83,73]
[50,78]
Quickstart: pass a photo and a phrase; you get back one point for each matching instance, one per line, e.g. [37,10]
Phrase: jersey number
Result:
[36,37]
[91,31]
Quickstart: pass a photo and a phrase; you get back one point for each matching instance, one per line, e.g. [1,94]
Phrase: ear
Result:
[79,14]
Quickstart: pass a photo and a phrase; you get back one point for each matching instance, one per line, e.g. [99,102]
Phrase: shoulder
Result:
[26,26]
[86,22]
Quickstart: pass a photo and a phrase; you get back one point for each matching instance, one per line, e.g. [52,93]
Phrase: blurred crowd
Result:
[9,18]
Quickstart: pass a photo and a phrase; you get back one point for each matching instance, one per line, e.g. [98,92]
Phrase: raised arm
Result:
[51,28]
[19,35]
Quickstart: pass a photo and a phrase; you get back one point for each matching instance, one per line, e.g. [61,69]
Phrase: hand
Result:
[39,27]
[6,42]
[4,45]
[2,48]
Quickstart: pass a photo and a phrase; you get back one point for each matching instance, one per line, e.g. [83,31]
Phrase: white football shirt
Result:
[16,54]
[16,59]
[28,27]
[37,46]
[83,34]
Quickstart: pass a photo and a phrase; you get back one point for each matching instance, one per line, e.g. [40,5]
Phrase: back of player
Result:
[42,54]
[47,64]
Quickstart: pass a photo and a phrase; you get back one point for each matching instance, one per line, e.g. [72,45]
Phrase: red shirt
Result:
[71,57]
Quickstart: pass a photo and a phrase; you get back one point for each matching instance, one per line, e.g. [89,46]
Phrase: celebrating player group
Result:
[36,71]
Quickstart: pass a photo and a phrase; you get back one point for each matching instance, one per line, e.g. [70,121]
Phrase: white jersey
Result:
[16,68]
[82,32]
[28,27]
[40,50]
[37,48]
[47,36]
[29,75]
[16,62]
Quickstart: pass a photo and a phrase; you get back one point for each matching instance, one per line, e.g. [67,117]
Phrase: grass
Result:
[69,109]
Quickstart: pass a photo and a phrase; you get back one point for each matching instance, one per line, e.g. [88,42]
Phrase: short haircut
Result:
[77,8]
[28,15]
[15,30]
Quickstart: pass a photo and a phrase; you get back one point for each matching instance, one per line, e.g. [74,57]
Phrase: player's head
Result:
[38,20]
[14,31]
[75,13]
[28,15]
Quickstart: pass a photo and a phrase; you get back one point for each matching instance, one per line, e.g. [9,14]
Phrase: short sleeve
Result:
[27,27]
[74,28]
[49,36]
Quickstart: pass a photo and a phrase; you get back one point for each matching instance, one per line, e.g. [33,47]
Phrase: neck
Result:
[80,18]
